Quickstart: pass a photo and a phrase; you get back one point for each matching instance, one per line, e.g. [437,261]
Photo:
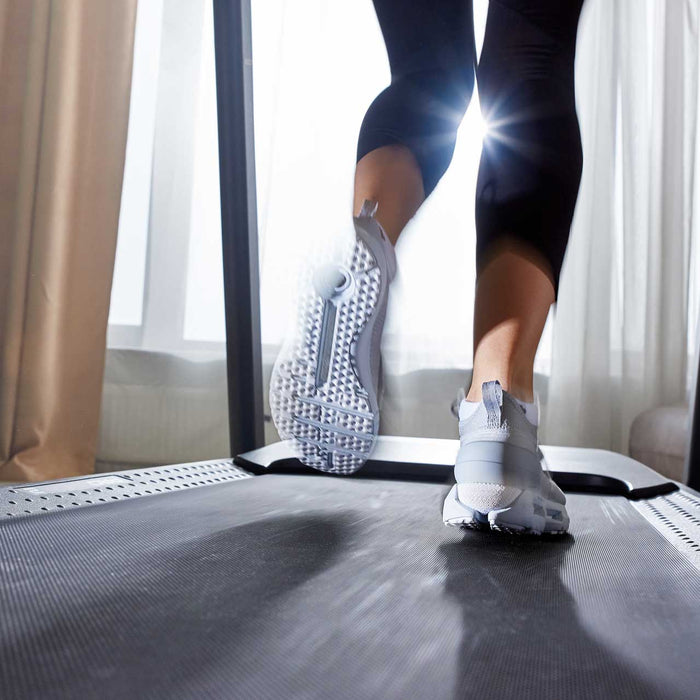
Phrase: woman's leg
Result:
[528,183]
[391,176]
[408,135]
[324,389]
[513,296]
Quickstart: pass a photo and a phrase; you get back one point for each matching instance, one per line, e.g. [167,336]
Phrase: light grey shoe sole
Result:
[483,506]
[323,390]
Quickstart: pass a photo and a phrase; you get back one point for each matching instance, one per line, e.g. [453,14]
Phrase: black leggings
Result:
[531,160]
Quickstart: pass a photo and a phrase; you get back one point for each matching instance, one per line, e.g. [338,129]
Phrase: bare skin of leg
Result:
[390,175]
[513,296]
[508,317]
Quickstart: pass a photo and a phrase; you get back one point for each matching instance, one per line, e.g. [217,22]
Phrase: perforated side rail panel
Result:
[53,496]
[677,517]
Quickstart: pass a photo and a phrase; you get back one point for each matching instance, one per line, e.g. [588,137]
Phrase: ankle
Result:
[519,390]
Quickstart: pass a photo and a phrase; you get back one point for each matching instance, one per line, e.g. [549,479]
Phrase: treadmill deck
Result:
[295,586]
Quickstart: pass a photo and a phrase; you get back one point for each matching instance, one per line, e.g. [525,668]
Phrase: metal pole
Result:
[239,231]
[692,469]
[694,450]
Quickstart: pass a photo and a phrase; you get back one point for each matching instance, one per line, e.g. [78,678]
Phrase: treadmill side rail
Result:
[98,489]
[577,469]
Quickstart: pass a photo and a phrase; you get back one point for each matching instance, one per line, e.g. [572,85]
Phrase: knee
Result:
[438,93]
[423,102]
[421,110]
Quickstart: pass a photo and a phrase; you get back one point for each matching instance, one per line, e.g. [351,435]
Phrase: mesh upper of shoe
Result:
[513,427]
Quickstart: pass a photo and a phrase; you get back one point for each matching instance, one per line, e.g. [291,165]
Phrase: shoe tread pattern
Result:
[331,427]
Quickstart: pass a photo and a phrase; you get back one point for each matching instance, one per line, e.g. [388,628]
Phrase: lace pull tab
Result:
[492,396]
[369,208]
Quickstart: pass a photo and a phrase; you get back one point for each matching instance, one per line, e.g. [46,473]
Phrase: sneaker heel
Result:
[484,497]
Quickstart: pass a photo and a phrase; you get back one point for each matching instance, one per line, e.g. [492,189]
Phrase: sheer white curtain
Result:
[164,394]
[620,338]
[317,67]
[628,301]
[628,309]
[168,283]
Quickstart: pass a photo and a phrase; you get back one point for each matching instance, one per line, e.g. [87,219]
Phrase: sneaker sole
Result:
[322,396]
[488,506]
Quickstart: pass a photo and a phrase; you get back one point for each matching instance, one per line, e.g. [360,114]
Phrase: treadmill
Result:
[256,577]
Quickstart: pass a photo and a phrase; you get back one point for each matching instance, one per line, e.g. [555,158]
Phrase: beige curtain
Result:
[65,74]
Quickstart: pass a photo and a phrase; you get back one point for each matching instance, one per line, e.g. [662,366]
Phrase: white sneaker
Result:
[325,383]
[501,482]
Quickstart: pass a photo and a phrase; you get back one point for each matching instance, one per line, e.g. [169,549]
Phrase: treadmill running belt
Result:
[288,586]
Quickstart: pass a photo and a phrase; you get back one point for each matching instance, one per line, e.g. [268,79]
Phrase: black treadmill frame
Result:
[239,228]
[693,457]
